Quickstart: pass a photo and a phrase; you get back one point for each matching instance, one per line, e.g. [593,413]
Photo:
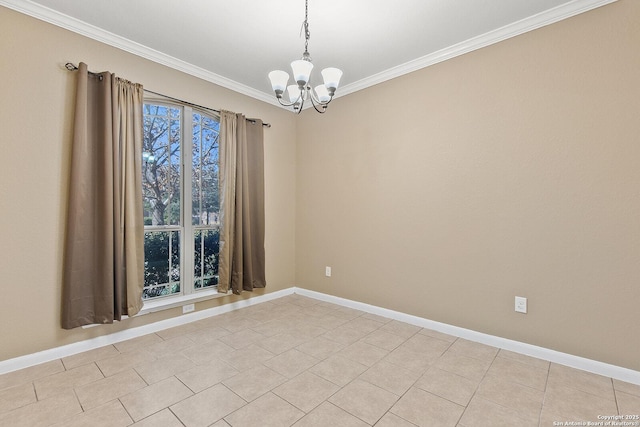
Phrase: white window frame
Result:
[188,293]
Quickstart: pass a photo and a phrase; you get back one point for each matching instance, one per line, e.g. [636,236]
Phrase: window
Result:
[181,200]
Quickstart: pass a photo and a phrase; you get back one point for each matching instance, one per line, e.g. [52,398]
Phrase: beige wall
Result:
[512,170]
[36,112]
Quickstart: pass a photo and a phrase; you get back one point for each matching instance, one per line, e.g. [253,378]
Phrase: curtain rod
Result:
[72,67]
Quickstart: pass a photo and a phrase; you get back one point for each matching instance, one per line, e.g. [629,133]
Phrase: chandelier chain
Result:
[305,27]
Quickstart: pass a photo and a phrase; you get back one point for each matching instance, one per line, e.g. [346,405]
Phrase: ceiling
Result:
[236,43]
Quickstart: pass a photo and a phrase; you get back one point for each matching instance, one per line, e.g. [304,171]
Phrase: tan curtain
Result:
[104,246]
[242,257]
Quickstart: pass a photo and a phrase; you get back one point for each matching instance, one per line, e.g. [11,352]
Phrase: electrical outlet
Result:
[188,308]
[521,305]
[327,271]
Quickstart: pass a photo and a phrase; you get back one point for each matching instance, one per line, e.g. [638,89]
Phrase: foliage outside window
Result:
[181,200]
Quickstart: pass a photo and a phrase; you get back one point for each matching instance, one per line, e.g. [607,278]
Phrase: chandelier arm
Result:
[285,104]
[312,96]
[300,100]
[315,102]
[322,111]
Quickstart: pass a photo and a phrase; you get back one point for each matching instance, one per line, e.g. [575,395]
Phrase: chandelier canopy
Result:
[322,95]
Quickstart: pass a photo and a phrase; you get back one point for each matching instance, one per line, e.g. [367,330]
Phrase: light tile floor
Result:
[298,361]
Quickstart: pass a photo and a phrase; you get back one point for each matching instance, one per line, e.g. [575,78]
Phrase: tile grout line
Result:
[615,396]
[414,383]
[232,412]
[544,396]
[477,387]
[125,409]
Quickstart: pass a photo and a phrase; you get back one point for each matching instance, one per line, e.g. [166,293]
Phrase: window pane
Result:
[174,160]
[161,263]
[204,184]
[196,160]
[161,165]
[156,110]
[206,249]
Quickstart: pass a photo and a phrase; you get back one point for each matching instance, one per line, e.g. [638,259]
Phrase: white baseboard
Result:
[92,343]
[600,368]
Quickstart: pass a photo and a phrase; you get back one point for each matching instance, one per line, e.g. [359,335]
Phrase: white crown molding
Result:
[72,24]
[531,23]
[548,17]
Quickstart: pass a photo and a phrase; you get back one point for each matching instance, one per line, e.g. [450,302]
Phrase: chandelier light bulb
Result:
[322,93]
[295,94]
[301,71]
[279,80]
[331,77]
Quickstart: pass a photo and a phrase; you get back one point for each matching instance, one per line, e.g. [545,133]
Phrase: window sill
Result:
[172,302]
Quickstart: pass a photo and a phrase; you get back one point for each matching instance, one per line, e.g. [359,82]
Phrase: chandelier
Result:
[322,95]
